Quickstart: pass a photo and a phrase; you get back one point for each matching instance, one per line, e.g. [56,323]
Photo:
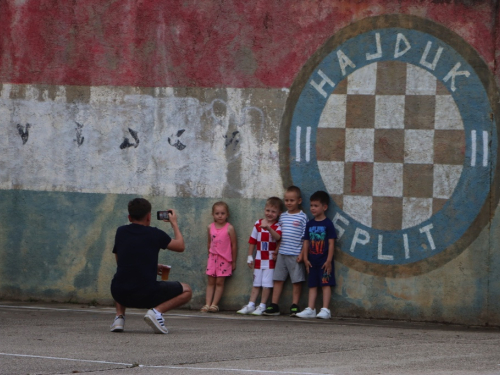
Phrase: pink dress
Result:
[220,257]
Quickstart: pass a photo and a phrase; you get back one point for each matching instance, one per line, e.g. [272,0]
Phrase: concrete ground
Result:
[66,339]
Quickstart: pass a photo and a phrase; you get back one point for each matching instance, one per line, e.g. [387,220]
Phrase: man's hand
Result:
[172,218]
[159,269]
[177,243]
[299,258]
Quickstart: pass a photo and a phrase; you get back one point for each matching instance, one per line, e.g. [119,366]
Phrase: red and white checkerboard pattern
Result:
[390,145]
[265,257]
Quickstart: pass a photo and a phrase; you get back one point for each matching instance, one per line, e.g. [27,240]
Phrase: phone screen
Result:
[162,215]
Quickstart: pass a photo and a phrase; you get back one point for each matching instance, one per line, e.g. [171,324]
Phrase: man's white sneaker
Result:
[156,322]
[246,310]
[324,313]
[259,310]
[118,324]
[307,313]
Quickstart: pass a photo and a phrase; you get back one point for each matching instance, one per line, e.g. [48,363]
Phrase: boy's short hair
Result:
[294,189]
[321,197]
[276,202]
[138,208]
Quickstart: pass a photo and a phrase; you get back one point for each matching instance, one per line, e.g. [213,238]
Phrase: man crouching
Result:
[134,284]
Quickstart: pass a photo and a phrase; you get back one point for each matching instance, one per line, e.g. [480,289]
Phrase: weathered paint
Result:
[122,140]
[186,103]
[183,44]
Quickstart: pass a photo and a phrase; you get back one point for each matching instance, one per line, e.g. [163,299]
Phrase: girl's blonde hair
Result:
[221,203]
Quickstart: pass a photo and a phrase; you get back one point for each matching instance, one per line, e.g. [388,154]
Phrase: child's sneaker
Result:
[246,310]
[294,309]
[259,310]
[155,321]
[272,310]
[324,313]
[307,313]
[118,324]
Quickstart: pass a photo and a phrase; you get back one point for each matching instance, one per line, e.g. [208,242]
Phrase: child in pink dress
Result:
[222,249]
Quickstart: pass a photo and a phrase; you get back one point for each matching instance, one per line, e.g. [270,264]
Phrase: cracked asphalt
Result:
[40,338]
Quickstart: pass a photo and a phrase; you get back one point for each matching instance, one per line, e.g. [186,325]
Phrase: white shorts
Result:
[263,278]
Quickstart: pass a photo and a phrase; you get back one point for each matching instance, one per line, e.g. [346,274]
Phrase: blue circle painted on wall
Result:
[396,124]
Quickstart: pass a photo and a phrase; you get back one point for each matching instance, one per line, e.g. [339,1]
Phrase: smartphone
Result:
[163,215]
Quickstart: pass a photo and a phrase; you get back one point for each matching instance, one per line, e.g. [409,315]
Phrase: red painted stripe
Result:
[238,43]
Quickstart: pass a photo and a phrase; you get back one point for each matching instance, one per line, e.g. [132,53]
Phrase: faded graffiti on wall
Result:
[124,141]
[396,123]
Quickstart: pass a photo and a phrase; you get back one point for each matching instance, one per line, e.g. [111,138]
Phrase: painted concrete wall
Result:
[390,106]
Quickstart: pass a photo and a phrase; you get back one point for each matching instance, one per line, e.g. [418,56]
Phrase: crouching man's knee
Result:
[186,290]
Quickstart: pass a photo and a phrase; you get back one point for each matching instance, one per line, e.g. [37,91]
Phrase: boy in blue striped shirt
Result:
[289,262]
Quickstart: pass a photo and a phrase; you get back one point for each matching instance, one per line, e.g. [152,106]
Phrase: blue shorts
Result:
[318,278]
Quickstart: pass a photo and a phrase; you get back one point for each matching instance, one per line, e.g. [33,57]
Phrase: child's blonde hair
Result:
[276,202]
[221,203]
[296,190]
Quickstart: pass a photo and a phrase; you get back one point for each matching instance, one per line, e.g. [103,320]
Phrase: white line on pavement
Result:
[65,359]
[273,320]
[166,367]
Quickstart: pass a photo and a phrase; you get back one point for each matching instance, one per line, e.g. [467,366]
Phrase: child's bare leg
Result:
[210,290]
[219,289]
[327,293]
[277,289]
[313,293]
[120,309]
[266,292]
[180,300]
[296,289]
[254,294]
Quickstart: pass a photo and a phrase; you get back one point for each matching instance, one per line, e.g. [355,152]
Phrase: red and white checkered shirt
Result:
[265,258]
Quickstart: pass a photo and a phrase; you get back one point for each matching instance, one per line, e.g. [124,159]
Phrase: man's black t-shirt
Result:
[137,248]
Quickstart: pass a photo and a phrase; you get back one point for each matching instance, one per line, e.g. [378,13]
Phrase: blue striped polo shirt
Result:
[292,231]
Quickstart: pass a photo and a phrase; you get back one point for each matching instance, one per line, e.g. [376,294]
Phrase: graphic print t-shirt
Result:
[318,233]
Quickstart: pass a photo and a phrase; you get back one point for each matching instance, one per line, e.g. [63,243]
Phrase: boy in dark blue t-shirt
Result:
[317,252]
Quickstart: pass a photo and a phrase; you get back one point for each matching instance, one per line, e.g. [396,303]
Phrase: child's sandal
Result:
[213,308]
[205,308]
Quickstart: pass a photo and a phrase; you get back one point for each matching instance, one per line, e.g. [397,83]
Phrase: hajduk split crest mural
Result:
[396,118]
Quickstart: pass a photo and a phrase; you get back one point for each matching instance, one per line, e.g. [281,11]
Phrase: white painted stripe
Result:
[169,315]
[473,148]
[407,248]
[239,370]
[485,148]
[308,144]
[67,359]
[162,366]
[283,319]
[297,144]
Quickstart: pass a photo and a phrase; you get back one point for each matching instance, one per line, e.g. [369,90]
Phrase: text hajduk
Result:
[402,46]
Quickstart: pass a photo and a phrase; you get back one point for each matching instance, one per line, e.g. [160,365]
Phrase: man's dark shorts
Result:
[164,291]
